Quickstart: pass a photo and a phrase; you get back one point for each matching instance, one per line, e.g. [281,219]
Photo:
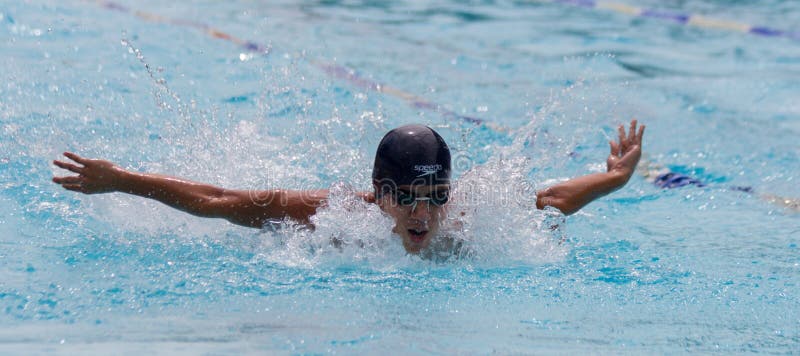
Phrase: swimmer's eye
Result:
[440,197]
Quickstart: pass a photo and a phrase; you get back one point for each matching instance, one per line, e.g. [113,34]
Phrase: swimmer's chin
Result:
[415,241]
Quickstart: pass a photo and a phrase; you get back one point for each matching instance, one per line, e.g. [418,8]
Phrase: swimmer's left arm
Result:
[574,194]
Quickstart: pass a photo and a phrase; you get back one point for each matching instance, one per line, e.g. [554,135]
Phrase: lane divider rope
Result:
[331,69]
[351,76]
[679,18]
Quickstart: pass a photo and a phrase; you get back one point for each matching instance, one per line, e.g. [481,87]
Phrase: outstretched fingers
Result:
[67,180]
[639,136]
[614,148]
[76,158]
[69,166]
[632,138]
[623,140]
[74,187]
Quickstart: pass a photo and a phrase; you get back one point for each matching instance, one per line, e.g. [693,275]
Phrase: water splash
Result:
[161,89]
[347,231]
[312,134]
[495,206]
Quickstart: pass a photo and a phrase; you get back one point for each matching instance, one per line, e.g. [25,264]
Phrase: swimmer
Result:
[410,180]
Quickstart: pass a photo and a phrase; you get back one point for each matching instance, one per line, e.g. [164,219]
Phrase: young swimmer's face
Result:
[417,212]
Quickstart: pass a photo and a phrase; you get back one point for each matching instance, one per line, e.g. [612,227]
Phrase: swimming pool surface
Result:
[248,94]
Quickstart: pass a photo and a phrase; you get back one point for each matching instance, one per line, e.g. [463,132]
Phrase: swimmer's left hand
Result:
[626,153]
[574,194]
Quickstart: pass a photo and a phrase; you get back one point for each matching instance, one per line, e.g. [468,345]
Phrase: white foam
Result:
[494,207]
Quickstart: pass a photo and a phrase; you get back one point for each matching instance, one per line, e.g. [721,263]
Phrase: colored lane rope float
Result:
[332,69]
[680,18]
[662,177]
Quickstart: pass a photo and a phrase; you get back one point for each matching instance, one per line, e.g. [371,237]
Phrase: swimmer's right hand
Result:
[94,175]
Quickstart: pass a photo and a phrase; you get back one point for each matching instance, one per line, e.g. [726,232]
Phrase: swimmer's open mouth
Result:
[417,235]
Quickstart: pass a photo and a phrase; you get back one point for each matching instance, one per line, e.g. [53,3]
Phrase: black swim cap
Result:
[411,155]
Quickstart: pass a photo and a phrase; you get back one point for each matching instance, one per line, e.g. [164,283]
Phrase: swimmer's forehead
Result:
[422,189]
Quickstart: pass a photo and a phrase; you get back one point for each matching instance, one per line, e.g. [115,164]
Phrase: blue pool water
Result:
[644,270]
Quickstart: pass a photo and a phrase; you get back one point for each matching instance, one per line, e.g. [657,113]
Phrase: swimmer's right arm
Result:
[243,207]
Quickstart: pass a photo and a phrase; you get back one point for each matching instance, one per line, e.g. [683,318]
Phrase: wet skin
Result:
[254,208]
[416,226]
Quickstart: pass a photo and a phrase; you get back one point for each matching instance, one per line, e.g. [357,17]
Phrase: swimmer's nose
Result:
[421,210]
